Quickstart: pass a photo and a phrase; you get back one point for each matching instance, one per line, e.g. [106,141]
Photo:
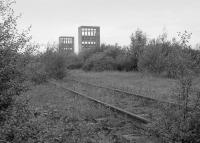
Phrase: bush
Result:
[38,74]
[87,53]
[54,63]
[99,62]
[109,57]
[176,65]
[74,62]
[152,60]
[125,62]
[112,51]
[195,59]
[166,58]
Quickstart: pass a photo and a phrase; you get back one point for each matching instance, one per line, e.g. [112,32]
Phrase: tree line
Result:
[170,58]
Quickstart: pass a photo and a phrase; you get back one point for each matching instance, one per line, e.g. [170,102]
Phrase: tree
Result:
[11,75]
[138,43]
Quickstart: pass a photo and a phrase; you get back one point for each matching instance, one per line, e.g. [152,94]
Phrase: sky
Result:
[118,19]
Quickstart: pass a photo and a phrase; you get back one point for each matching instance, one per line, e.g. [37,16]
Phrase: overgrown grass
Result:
[64,117]
[49,95]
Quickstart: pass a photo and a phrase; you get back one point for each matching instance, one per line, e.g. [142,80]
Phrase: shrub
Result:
[112,51]
[125,62]
[38,74]
[178,61]
[165,57]
[195,59]
[152,60]
[54,63]
[87,53]
[170,62]
[99,62]
[176,64]
[74,62]
[17,128]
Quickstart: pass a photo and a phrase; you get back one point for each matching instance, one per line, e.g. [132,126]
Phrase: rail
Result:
[114,108]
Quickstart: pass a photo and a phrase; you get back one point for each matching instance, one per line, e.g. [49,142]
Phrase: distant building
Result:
[88,37]
[66,44]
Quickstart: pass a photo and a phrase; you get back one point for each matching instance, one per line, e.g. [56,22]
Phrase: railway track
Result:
[142,106]
[111,107]
[125,92]
[129,123]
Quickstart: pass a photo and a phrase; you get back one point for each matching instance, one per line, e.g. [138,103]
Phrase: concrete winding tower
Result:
[66,44]
[88,37]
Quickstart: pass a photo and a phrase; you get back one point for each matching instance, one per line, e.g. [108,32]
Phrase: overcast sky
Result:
[117,18]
